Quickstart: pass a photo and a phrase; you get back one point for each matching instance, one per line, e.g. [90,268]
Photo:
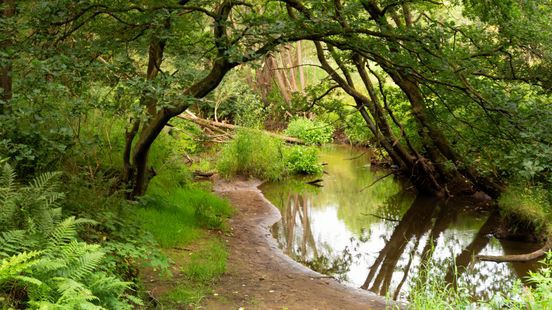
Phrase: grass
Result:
[208,263]
[180,216]
[432,292]
[253,153]
[530,205]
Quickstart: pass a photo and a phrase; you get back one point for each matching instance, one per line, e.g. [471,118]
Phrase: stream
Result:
[384,237]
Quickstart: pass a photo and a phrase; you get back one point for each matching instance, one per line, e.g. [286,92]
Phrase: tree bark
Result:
[135,165]
[6,69]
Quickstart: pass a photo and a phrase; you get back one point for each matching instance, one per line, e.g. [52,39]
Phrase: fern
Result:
[34,207]
[15,241]
[41,257]
[7,182]
[13,267]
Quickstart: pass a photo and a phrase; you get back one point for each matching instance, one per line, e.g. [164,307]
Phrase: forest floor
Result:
[260,276]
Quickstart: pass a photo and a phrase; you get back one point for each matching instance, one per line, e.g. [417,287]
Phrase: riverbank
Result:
[260,276]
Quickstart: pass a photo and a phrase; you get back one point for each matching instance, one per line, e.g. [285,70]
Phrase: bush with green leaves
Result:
[43,264]
[253,153]
[303,160]
[310,131]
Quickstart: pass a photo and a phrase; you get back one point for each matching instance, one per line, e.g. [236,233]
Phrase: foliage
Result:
[303,160]
[432,292]
[310,131]
[356,130]
[529,204]
[235,102]
[42,257]
[253,153]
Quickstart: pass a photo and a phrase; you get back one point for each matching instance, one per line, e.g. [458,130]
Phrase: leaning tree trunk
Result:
[159,120]
[132,169]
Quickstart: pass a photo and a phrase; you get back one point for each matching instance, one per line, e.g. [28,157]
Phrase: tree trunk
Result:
[157,122]
[302,80]
[135,166]
[6,69]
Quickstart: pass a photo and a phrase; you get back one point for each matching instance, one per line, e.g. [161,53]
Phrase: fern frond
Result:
[45,180]
[64,232]
[7,181]
[15,265]
[85,265]
[14,242]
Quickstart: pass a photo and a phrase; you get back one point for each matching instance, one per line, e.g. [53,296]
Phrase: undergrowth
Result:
[311,131]
[429,291]
[253,153]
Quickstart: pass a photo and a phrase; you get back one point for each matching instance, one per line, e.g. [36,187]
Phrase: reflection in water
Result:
[379,238]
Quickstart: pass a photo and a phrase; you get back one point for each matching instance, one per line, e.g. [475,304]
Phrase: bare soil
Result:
[261,276]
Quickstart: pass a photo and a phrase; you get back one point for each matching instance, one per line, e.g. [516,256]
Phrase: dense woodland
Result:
[111,110]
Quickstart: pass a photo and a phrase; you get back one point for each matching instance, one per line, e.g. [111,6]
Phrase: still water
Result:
[379,237]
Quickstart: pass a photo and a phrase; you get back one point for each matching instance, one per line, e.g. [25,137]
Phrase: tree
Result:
[441,68]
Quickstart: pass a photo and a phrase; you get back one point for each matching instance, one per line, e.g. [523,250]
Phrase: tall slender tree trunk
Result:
[6,66]
[302,81]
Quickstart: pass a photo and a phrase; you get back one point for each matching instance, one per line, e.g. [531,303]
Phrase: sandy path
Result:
[260,276]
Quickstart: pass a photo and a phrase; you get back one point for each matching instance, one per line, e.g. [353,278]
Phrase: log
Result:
[209,123]
[519,257]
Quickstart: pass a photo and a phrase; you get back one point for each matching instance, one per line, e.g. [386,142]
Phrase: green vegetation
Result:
[253,153]
[431,292]
[303,160]
[42,258]
[530,205]
[312,132]
[456,93]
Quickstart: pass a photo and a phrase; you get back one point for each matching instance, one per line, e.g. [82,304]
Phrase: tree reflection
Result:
[298,240]
[415,222]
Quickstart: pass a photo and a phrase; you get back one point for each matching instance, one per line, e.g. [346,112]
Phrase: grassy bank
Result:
[74,241]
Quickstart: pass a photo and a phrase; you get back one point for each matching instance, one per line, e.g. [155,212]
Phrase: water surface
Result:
[374,232]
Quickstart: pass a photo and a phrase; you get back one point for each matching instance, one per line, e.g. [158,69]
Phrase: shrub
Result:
[252,153]
[312,132]
[303,160]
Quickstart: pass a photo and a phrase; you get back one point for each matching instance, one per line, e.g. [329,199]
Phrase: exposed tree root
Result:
[519,257]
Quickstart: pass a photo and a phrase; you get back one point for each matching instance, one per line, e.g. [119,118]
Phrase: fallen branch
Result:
[202,174]
[315,182]
[519,257]
[209,123]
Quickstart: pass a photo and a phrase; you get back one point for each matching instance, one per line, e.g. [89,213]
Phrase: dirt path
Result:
[260,276]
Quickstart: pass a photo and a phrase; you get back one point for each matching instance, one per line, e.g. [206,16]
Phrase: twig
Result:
[356,157]
[377,180]
[381,217]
